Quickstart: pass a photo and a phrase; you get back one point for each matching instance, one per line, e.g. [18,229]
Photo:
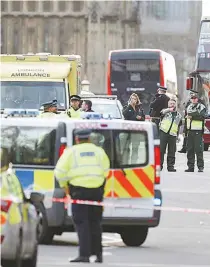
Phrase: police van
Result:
[132,189]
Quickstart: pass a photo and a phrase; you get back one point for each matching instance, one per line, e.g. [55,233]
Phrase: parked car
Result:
[105,104]
[19,223]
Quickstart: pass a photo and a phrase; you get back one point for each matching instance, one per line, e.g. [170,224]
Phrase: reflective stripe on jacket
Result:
[85,165]
[170,126]
[194,125]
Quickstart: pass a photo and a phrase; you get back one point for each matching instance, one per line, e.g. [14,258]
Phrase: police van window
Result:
[131,148]
[30,145]
[31,94]
[102,138]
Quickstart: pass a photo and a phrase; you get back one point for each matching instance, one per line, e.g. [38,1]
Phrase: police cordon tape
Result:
[68,200]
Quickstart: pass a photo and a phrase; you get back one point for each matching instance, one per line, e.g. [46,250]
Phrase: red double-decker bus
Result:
[140,71]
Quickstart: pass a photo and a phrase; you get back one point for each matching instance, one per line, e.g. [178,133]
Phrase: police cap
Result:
[162,88]
[83,133]
[75,97]
[193,95]
[50,104]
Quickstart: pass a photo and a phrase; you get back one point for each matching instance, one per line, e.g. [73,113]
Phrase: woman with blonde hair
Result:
[131,142]
[134,111]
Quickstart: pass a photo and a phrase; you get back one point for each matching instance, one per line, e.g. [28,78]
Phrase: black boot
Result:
[189,170]
[81,259]
[99,259]
[200,169]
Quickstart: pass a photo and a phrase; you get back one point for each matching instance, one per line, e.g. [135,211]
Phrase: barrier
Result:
[68,200]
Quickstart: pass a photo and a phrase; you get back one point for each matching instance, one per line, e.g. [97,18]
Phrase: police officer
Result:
[74,111]
[196,114]
[160,102]
[171,120]
[7,174]
[50,109]
[83,168]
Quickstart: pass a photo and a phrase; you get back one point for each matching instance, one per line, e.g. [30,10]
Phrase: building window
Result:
[4,6]
[62,6]
[32,6]
[47,6]
[77,6]
[16,6]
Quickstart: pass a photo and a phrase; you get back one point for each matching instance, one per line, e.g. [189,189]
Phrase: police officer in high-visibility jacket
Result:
[171,120]
[74,111]
[196,114]
[7,174]
[50,109]
[83,169]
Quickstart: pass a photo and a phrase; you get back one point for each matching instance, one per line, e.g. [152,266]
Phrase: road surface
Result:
[181,240]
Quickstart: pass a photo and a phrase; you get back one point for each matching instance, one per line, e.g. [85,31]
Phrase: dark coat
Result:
[130,114]
[160,102]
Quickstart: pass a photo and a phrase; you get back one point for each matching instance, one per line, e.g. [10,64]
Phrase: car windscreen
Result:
[106,108]
[30,145]
[124,148]
[31,94]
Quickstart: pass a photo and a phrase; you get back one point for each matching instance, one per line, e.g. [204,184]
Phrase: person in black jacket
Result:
[159,103]
[87,106]
[133,112]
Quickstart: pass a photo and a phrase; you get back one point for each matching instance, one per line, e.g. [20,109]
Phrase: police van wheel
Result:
[134,236]
[206,147]
[45,234]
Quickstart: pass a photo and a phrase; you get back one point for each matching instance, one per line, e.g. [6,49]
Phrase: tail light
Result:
[61,149]
[189,83]
[5,205]
[2,239]
[157,164]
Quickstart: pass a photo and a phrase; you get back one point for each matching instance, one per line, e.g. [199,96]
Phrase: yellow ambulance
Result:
[29,80]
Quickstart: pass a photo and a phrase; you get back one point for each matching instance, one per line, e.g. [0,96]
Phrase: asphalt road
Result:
[181,240]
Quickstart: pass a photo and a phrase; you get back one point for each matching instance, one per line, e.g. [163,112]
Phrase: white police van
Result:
[132,188]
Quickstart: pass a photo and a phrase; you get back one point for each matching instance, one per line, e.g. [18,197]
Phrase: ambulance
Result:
[132,193]
[29,80]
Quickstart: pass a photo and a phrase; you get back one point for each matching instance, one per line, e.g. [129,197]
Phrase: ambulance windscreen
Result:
[31,94]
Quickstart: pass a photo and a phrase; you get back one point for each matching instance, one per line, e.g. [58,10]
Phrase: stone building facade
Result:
[172,26]
[88,28]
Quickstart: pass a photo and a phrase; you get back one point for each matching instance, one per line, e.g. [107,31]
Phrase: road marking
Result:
[130,264]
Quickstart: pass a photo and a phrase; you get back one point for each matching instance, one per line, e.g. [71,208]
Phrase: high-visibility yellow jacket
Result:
[75,114]
[85,165]
[169,123]
[198,113]
[47,115]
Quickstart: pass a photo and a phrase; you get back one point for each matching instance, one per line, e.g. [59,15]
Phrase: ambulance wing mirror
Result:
[189,83]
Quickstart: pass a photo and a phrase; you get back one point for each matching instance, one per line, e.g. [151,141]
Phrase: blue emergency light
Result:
[95,116]
[21,112]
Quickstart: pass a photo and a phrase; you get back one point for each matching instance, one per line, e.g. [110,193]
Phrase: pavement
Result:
[181,240]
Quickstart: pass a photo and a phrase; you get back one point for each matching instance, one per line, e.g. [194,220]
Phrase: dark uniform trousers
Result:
[195,146]
[157,122]
[87,220]
[170,141]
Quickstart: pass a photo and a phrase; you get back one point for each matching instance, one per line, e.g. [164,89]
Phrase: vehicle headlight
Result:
[206,130]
